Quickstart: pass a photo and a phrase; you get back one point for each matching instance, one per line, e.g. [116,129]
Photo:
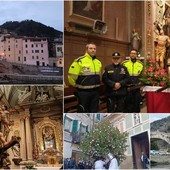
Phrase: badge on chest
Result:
[86,69]
[122,71]
[110,71]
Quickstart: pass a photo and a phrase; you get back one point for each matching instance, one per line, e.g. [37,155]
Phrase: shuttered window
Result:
[75,125]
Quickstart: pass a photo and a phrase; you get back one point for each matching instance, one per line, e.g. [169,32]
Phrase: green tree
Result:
[104,139]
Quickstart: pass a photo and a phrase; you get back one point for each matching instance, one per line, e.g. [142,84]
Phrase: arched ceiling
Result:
[14,95]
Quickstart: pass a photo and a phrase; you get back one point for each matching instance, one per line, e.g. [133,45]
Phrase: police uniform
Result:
[115,74]
[134,68]
[84,74]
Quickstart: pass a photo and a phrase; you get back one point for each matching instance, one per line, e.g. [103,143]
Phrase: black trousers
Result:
[115,104]
[133,100]
[88,100]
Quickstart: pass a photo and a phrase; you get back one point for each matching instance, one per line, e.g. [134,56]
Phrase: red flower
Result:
[153,60]
[162,83]
[157,67]
[153,74]
[163,72]
[151,69]
[156,74]
[154,83]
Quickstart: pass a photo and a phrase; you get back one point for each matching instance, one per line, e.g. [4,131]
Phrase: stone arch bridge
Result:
[160,135]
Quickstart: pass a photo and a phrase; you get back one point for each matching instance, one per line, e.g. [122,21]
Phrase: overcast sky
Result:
[156,116]
[47,12]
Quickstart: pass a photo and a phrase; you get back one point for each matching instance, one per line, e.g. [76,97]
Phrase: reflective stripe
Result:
[83,74]
[88,74]
[87,87]
[134,75]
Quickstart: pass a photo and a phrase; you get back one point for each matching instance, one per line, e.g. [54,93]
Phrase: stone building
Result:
[138,127]
[24,50]
[75,128]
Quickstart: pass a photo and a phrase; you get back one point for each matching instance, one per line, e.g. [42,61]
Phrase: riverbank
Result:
[160,161]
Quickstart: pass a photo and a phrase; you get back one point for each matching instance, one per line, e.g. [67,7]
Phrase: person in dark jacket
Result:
[72,163]
[115,77]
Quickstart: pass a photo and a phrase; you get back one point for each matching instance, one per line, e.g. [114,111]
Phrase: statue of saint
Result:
[160,50]
[16,150]
[136,40]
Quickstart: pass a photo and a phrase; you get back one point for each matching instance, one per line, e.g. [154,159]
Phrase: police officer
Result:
[115,77]
[134,68]
[84,74]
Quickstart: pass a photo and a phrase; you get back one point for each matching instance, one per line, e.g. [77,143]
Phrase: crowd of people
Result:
[70,163]
[110,162]
[85,75]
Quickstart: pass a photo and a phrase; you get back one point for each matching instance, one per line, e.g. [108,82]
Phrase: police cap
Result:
[116,55]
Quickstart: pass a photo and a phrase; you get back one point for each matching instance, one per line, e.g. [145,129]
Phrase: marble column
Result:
[23,137]
[28,136]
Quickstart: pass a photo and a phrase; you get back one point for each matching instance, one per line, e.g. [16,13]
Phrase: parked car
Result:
[154,152]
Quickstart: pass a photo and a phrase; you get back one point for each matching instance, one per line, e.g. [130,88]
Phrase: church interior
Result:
[31,126]
[116,26]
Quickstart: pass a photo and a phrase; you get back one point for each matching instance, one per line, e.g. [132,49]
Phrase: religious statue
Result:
[48,133]
[4,146]
[23,93]
[4,117]
[157,27]
[42,94]
[136,118]
[136,40]
[160,50]
[166,28]
[16,150]
[4,132]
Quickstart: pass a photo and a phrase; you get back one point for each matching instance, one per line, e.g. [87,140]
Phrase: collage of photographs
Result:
[85,84]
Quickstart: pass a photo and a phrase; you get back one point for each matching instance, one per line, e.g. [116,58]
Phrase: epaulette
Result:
[97,59]
[139,62]
[78,59]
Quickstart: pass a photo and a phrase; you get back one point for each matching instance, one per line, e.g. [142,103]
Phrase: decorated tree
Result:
[104,139]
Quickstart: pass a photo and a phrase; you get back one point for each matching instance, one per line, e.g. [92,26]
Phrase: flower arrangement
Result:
[154,75]
[51,152]
[28,164]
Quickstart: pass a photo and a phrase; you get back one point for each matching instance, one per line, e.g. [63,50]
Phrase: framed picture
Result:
[89,9]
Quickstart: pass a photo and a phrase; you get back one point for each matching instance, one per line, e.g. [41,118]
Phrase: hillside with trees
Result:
[162,125]
[30,28]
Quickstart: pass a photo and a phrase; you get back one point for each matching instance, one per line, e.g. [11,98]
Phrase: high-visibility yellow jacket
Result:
[134,69]
[84,72]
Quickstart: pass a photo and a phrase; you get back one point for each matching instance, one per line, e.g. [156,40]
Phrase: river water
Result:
[161,167]
[163,161]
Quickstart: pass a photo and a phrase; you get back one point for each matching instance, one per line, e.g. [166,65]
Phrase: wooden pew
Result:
[70,100]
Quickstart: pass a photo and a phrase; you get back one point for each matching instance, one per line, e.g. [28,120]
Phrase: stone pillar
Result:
[148,39]
[23,137]
[28,136]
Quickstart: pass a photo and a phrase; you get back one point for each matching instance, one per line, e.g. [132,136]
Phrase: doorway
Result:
[140,143]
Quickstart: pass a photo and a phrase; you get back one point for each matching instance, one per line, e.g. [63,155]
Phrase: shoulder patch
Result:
[97,60]
[139,62]
[78,59]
